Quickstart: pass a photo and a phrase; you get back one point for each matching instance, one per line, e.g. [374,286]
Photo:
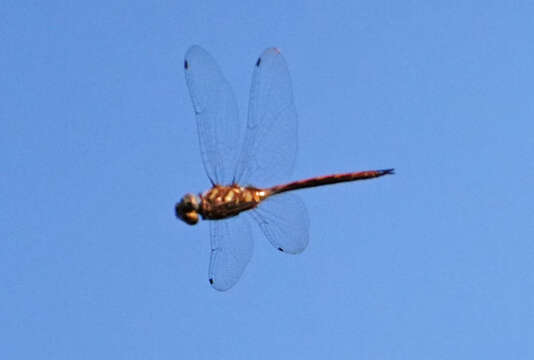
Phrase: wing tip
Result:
[194,47]
[272,49]
[218,287]
[193,51]
[269,51]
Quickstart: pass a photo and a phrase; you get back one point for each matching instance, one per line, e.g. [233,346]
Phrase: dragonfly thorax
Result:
[222,202]
[188,208]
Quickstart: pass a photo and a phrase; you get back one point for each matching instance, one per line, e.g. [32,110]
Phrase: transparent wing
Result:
[284,221]
[231,250]
[270,142]
[216,114]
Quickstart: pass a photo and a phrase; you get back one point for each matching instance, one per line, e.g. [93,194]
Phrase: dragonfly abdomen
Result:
[330,179]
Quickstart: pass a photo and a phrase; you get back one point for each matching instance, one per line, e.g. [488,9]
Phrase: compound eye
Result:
[188,209]
[191,217]
[191,202]
[187,206]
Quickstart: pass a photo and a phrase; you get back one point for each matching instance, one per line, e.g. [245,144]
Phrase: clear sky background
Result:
[98,141]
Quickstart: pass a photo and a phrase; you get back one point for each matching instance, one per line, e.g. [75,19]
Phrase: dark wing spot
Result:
[280,249]
[186,65]
[211,281]
[258,62]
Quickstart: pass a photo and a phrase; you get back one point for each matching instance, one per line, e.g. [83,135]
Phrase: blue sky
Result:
[98,141]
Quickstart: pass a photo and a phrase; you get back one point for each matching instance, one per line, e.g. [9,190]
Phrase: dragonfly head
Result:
[187,209]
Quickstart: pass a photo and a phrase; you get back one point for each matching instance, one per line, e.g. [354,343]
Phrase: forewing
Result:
[231,249]
[284,221]
[270,142]
[216,114]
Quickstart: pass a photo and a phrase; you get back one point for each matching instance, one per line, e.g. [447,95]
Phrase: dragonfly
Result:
[240,175]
